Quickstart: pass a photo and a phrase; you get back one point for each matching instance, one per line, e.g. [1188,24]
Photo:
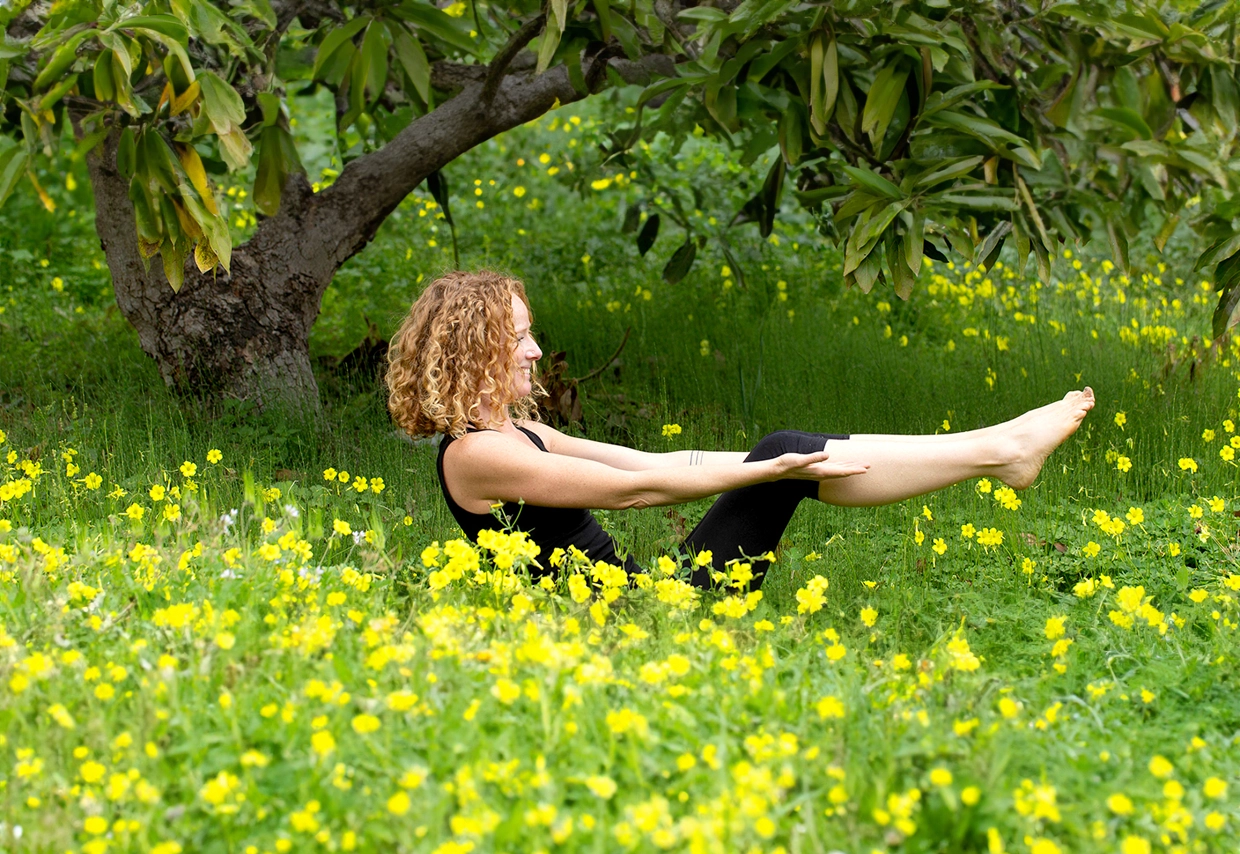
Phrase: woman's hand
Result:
[816,466]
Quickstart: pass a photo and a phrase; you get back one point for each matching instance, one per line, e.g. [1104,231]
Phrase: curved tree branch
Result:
[499,65]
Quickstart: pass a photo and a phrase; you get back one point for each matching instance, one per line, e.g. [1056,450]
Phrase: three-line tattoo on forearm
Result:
[696,458]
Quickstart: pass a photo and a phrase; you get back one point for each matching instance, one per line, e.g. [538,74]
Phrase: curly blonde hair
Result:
[454,347]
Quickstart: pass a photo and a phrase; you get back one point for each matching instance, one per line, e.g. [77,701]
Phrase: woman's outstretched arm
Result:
[627,459]
[486,467]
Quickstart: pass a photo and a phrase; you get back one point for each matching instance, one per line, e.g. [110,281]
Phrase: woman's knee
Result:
[780,442]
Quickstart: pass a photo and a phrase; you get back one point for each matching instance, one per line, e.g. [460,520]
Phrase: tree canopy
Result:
[908,126]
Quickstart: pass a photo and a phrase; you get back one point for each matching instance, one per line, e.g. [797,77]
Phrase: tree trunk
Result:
[245,333]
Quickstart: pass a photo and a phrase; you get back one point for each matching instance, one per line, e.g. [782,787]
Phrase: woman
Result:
[462,364]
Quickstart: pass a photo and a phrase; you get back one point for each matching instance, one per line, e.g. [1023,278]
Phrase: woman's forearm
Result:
[662,486]
[679,459]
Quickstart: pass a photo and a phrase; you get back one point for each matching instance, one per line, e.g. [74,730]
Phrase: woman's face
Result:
[525,352]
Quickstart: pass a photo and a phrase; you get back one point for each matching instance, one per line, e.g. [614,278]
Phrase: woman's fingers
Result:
[819,466]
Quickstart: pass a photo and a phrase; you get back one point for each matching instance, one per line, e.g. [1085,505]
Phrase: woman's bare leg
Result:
[905,466]
[969,435]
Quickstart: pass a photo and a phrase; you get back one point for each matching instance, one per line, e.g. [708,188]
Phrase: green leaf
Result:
[703,15]
[1119,244]
[988,252]
[867,272]
[647,236]
[1020,235]
[974,203]
[1219,252]
[272,171]
[53,95]
[681,261]
[103,79]
[1129,119]
[872,181]
[948,171]
[546,47]
[412,57]
[1227,282]
[881,101]
[432,21]
[772,187]
[374,54]
[222,103]
[1223,97]
[13,161]
[165,25]
[336,37]
[791,135]
[938,101]
[61,59]
[986,130]
[914,242]
[126,154]
[602,8]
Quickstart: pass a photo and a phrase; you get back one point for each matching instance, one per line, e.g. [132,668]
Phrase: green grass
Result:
[526,706]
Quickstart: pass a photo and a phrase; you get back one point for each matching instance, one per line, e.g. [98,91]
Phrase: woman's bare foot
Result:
[1032,436]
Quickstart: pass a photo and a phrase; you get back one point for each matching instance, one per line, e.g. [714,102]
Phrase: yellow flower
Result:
[1160,767]
[399,804]
[1188,464]
[868,616]
[1134,845]
[92,772]
[518,191]
[1009,708]
[940,546]
[603,787]
[941,777]
[364,724]
[1120,420]
[214,456]
[157,492]
[135,512]
[830,707]
[1091,549]
[1123,463]
[341,527]
[188,469]
[506,691]
[96,825]
[1214,788]
[225,640]
[322,742]
[670,430]
[329,474]
[988,537]
[967,531]
[172,512]
[970,795]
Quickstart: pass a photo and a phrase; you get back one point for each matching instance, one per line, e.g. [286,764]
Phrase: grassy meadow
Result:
[229,632]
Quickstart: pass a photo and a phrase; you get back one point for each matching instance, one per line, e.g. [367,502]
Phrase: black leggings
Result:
[749,521]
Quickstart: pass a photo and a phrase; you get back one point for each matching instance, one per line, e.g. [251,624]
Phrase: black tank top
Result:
[550,528]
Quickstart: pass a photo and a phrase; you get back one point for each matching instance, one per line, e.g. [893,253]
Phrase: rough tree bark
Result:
[245,334]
